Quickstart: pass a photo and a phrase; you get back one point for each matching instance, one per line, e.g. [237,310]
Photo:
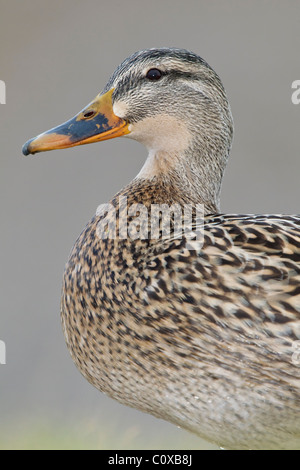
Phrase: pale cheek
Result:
[120,109]
[161,133]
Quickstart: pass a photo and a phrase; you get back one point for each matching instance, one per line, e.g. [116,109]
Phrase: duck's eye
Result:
[154,74]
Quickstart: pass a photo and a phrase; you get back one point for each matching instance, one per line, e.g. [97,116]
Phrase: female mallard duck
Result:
[202,333]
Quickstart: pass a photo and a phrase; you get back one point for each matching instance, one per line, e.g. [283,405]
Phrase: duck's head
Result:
[174,103]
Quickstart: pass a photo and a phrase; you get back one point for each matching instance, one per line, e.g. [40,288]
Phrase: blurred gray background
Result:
[55,56]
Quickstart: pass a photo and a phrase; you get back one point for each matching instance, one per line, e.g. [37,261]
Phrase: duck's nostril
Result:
[89,114]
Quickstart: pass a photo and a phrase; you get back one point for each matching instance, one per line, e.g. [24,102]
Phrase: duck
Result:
[198,327]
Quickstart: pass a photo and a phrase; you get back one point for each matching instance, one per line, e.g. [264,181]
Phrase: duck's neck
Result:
[182,179]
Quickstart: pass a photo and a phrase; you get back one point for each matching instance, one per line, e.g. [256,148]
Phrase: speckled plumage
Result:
[200,334]
[202,338]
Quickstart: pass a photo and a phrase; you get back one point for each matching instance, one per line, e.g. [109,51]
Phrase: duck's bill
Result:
[94,123]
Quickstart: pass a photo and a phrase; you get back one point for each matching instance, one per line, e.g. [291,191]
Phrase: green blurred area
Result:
[89,435]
